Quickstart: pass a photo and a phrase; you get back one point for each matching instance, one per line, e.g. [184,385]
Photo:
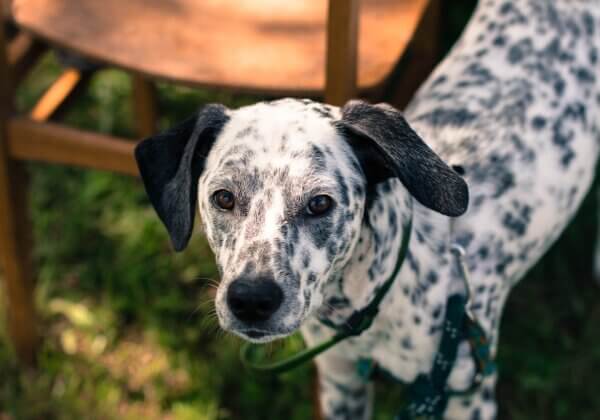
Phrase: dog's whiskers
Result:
[210,282]
[204,303]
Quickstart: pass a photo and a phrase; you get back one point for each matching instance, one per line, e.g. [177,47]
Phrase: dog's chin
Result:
[260,336]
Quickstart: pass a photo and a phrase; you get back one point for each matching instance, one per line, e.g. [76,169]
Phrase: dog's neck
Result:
[377,252]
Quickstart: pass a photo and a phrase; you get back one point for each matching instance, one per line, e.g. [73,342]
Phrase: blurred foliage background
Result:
[128,327]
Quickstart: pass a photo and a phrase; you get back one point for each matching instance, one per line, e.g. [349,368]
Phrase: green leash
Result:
[356,325]
[428,393]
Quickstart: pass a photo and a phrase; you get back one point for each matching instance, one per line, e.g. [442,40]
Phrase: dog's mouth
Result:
[258,335]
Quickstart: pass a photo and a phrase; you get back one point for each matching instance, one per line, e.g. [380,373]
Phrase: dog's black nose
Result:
[254,300]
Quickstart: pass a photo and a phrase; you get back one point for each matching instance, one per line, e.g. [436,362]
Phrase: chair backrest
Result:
[238,46]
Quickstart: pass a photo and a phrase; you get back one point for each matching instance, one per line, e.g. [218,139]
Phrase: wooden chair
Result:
[313,48]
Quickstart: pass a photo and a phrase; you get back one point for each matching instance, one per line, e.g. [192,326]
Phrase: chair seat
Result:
[267,46]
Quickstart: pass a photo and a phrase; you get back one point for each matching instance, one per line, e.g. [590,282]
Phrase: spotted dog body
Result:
[513,107]
[516,105]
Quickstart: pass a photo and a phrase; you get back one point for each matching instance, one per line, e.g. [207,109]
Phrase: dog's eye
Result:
[319,205]
[224,199]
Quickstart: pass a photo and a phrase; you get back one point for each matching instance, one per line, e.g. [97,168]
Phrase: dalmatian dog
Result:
[305,205]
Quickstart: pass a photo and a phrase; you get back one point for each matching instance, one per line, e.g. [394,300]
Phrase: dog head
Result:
[282,189]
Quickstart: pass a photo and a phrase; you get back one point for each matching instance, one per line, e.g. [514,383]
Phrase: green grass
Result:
[128,326]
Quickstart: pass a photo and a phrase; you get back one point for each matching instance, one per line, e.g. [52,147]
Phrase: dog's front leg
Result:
[343,394]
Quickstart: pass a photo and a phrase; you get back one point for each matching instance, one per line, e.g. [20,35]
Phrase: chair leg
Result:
[15,231]
[15,241]
[144,106]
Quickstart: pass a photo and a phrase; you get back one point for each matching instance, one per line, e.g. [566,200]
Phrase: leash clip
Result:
[478,340]
[459,253]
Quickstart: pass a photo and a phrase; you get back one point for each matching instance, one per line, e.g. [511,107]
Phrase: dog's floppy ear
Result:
[387,146]
[170,165]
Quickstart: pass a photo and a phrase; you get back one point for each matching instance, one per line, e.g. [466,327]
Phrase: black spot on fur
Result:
[483,252]
[499,41]
[504,263]
[344,196]
[246,131]
[464,239]
[412,262]
[487,394]
[332,249]
[439,81]
[584,75]
[538,123]
[476,414]
[520,50]
[451,117]
[432,277]
[318,160]
[563,133]
[323,111]
[514,224]
[305,259]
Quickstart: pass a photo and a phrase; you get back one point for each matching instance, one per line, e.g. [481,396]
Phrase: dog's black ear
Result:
[387,146]
[170,165]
